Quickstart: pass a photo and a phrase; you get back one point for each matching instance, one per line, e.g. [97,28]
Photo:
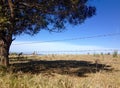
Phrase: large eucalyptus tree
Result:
[31,16]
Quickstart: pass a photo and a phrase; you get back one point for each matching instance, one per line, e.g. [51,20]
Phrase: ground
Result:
[62,71]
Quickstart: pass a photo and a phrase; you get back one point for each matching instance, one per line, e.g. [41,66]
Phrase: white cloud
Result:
[28,47]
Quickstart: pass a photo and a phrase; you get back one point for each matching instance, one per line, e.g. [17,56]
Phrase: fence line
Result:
[75,51]
[70,39]
[105,51]
[82,50]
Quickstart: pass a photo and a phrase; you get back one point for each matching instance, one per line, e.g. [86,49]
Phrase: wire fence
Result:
[71,39]
[107,51]
[98,51]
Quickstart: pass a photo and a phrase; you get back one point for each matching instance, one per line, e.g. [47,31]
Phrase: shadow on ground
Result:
[63,67]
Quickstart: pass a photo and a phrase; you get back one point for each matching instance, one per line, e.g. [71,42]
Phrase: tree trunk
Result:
[6,36]
[4,51]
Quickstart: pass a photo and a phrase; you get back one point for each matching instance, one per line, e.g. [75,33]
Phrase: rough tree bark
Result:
[6,38]
[4,50]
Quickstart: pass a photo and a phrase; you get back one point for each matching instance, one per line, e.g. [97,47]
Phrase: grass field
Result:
[62,71]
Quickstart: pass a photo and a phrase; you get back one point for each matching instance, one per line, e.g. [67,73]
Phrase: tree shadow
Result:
[63,67]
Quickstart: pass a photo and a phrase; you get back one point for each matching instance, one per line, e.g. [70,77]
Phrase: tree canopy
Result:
[28,16]
[31,16]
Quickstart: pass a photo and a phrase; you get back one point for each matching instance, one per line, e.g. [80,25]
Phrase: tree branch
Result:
[11,8]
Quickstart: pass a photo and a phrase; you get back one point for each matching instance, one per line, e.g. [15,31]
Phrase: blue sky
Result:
[106,21]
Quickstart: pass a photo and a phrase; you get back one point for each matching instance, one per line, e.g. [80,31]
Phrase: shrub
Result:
[14,53]
[108,53]
[115,53]
[102,53]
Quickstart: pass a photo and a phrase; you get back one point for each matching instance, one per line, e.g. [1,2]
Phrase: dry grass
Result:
[63,71]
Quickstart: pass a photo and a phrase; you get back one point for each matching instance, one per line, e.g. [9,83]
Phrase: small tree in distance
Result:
[31,16]
[115,53]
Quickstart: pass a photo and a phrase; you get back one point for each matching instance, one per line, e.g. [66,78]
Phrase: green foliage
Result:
[32,16]
[102,53]
[14,53]
[3,20]
[108,53]
[115,53]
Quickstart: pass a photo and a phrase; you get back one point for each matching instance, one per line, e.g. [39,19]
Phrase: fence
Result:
[107,51]
[104,51]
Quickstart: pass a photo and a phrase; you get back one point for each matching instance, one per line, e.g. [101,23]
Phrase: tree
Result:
[31,16]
